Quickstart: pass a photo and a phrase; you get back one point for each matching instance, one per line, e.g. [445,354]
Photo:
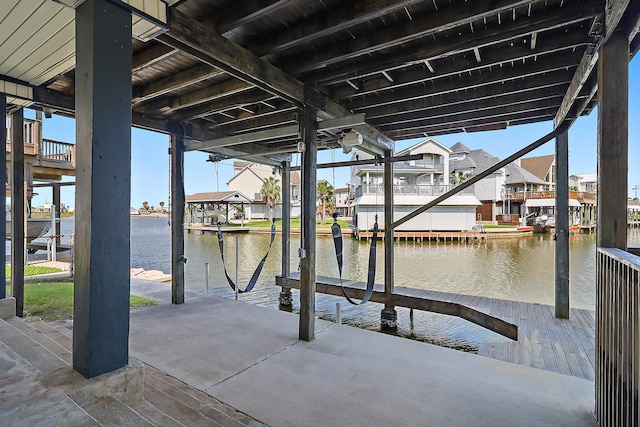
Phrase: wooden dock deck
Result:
[565,346]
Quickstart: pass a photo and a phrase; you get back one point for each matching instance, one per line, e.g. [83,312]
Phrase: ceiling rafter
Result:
[449,84]
[492,58]
[434,49]
[209,47]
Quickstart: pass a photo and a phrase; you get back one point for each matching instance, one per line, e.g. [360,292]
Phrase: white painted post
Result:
[206,276]
[237,284]
[338,314]
[54,249]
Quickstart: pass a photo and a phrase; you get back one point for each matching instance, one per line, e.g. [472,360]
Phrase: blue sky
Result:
[150,162]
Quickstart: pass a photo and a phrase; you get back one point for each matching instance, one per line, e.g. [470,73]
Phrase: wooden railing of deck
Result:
[617,337]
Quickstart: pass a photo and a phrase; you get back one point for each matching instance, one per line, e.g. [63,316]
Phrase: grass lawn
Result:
[295,223]
[54,301]
[33,270]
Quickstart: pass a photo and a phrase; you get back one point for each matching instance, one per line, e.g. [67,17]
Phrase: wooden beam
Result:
[177,219]
[401,33]
[364,162]
[558,63]
[244,13]
[552,84]
[614,12]
[561,288]
[479,123]
[443,105]
[329,286]
[151,55]
[18,208]
[328,21]
[173,82]
[434,49]
[306,327]
[613,141]
[265,135]
[471,113]
[223,104]
[200,42]
[549,47]
[223,89]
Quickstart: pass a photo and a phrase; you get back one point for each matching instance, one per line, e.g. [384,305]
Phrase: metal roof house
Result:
[259,81]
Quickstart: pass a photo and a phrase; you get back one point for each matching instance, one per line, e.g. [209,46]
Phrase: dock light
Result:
[350,139]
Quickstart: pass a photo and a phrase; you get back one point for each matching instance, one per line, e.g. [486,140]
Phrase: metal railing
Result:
[410,190]
[617,337]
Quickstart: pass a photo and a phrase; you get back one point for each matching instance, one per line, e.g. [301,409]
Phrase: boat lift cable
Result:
[258,270]
[336,232]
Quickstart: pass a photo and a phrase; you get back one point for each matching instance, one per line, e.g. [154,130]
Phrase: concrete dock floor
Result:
[249,357]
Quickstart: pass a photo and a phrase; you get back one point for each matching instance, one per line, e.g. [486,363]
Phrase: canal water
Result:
[520,269]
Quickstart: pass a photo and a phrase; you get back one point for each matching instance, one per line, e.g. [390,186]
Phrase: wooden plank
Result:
[442,307]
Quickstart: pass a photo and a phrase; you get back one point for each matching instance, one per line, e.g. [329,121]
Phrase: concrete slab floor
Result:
[250,358]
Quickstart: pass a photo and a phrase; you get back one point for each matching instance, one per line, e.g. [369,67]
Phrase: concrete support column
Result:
[285,297]
[3,178]
[613,141]
[18,216]
[389,316]
[306,330]
[103,185]
[562,227]
[55,189]
[177,219]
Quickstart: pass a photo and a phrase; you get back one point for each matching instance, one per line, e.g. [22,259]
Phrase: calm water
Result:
[510,268]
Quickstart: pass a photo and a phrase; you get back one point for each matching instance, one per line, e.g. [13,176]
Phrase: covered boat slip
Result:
[262,80]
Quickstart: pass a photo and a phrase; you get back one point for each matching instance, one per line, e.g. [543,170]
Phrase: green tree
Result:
[270,193]
[324,192]
[161,206]
[145,206]
[459,178]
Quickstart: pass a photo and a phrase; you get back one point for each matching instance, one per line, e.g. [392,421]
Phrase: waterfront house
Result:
[544,167]
[248,179]
[341,201]
[502,193]
[415,182]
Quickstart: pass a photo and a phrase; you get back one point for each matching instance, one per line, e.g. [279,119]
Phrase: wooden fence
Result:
[617,338]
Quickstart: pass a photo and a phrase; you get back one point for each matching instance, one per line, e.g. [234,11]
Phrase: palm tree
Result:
[161,206]
[270,193]
[324,191]
[145,206]
[460,177]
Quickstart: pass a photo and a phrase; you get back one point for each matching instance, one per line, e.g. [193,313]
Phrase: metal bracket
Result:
[302,253]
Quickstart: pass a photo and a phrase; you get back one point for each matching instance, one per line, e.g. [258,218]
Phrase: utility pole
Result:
[635,190]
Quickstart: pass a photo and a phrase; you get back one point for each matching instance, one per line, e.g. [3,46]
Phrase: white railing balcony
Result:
[411,190]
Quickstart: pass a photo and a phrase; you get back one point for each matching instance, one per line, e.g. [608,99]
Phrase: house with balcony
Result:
[544,167]
[46,162]
[502,194]
[415,183]
[341,201]
[248,179]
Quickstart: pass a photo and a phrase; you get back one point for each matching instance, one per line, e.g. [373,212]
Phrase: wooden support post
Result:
[103,185]
[177,219]
[306,330]
[389,316]
[17,210]
[613,141]
[562,226]
[3,178]
[285,298]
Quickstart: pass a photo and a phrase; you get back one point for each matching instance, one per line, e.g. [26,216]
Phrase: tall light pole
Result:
[635,189]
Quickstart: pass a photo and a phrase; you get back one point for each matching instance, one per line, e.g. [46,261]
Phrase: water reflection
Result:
[511,268]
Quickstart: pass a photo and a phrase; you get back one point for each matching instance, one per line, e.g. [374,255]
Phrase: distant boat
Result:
[36,227]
